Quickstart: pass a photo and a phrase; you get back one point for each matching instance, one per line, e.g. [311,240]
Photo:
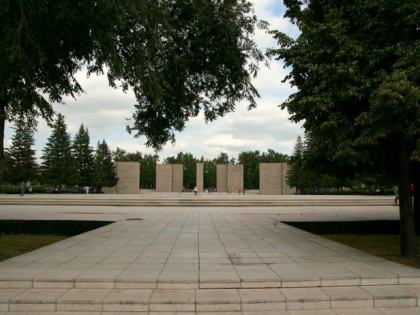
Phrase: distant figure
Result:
[22,188]
[397,195]
[195,191]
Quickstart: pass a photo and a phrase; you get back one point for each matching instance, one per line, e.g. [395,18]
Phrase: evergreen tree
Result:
[104,168]
[22,161]
[296,171]
[59,165]
[83,154]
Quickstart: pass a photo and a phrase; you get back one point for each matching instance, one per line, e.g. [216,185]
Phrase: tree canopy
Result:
[179,57]
[356,68]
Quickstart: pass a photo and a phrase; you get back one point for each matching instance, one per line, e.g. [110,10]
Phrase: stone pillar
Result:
[169,177]
[199,177]
[222,178]
[177,177]
[273,179]
[129,177]
[236,178]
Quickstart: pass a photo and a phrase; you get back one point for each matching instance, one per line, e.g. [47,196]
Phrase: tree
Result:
[83,154]
[22,164]
[104,168]
[179,57]
[59,164]
[296,174]
[148,171]
[251,162]
[209,173]
[356,70]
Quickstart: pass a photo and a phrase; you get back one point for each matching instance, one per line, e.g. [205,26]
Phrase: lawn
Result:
[385,246]
[12,245]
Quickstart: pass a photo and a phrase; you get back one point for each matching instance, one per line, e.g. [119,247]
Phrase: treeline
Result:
[69,164]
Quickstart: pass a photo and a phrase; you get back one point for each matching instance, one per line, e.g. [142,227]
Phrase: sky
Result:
[104,111]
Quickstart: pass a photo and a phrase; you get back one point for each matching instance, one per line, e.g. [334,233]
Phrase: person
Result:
[22,188]
[195,191]
[397,195]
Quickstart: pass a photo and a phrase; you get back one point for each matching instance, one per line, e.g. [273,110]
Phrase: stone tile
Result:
[39,296]
[400,311]
[8,294]
[348,297]
[119,300]
[306,298]
[259,273]
[391,296]
[173,300]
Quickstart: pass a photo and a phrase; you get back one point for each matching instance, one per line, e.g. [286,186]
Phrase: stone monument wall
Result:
[273,179]
[169,177]
[177,177]
[235,177]
[222,177]
[199,177]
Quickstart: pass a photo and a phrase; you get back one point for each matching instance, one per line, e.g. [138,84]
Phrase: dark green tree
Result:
[119,155]
[148,171]
[272,156]
[83,153]
[104,168]
[251,162]
[356,69]
[209,173]
[22,164]
[59,164]
[223,158]
[179,58]
[296,175]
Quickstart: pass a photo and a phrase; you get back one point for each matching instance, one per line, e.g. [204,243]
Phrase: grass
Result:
[12,245]
[385,246]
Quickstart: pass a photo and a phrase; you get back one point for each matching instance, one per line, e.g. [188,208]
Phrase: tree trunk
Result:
[2,128]
[415,175]
[407,225]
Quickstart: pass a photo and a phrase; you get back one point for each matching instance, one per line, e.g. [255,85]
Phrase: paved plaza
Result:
[211,254]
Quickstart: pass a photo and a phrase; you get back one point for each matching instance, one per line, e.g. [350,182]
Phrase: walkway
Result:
[203,260]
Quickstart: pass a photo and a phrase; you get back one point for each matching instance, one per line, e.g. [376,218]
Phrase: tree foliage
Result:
[104,168]
[59,164]
[22,164]
[355,66]
[179,57]
[83,153]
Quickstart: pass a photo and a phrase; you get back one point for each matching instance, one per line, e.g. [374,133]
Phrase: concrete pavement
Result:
[204,260]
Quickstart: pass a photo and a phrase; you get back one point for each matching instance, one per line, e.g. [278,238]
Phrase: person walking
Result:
[195,191]
[397,195]
[22,188]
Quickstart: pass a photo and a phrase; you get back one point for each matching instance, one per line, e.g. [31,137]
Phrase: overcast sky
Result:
[104,110]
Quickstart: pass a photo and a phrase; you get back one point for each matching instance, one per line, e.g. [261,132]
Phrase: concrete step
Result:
[185,200]
[57,283]
[240,301]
